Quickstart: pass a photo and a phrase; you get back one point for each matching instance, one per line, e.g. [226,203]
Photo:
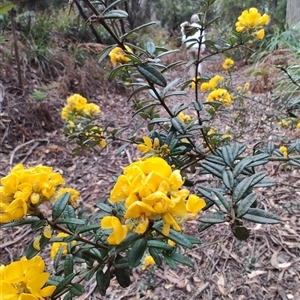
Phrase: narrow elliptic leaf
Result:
[68,264]
[171,262]
[245,204]
[228,179]
[57,259]
[136,253]
[213,218]
[115,14]
[38,224]
[60,205]
[179,238]
[68,296]
[246,184]
[156,256]
[152,75]
[261,216]
[63,284]
[125,244]
[77,289]
[182,259]
[222,200]
[104,53]
[69,213]
[26,221]
[213,169]
[228,155]
[86,228]
[179,125]
[159,245]
[159,120]
[71,221]
[123,277]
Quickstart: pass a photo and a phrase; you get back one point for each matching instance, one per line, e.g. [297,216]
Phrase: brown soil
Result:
[266,266]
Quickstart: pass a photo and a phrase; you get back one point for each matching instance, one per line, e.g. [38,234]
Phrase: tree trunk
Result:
[292,12]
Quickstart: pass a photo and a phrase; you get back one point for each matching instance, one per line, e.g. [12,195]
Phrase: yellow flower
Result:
[147,146]
[119,230]
[226,136]
[185,118]
[148,262]
[195,204]
[25,280]
[228,63]
[220,95]
[284,151]
[118,56]
[56,245]
[212,130]
[298,125]
[251,21]
[36,243]
[23,190]
[283,123]
[74,195]
[47,232]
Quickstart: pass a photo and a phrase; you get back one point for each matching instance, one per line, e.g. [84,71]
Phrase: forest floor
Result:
[265,266]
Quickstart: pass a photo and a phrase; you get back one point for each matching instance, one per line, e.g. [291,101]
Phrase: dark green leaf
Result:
[222,200]
[156,256]
[86,228]
[182,259]
[228,155]
[69,213]
[104,53]
[68,296]
[171,262]
[152,75]
[213,218]
[68,265]
[179,238]
[258,215]
[71,221]
[213,169]
[63,284]
[58,258]
[136,253]
[123,277]
[60,205]
[228,179]
[77,289]
[31,251]
[179,125]
[38,224]
[159,120]
[26,221]
[125,244]
[245,204]
[159,245]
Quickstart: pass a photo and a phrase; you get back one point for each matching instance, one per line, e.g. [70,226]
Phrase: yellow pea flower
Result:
[147,146]
[119,230]
[148,262]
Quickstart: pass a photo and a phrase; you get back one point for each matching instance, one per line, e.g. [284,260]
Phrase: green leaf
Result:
[69,213]
[6,7]
[156,256]
[182,259]
[77,289]
[123,276]
[68,264]
[71,221]
[38,224]
[152,75]
[159,245]
[31,251]
[222,200]
[115,14]
[193,239]
[261,216]
[150,47]
[179,238]
[228,179]
[88,228]
[241,232]
[68,296]
[159,120]
[136,253]
[213,169]
[198,106]
[104,53]
[179,125]
[171,262]
[228,155]
[103,280]
[130,239]
[60,205]
[245,185]
[63,284]
[29,220]
[114,73]
[245,204]
[213,218]
[122,148]
[57,259]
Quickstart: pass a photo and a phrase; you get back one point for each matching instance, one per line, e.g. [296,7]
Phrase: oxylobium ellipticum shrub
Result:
[143,222]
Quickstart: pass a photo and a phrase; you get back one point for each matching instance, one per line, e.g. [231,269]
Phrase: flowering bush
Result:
[143,220]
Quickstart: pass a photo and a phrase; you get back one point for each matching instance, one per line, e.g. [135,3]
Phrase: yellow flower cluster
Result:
[252,21]
[228,63]
[298,125]
[118,56]
[96,133]
[73,198]
[185,118]
[25,279]
[57,245]
[220,95]
[153,148]
[24,189]
[211,84]
[284,151]
[195,82]
[76,104]
[148,262]
[150,191]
